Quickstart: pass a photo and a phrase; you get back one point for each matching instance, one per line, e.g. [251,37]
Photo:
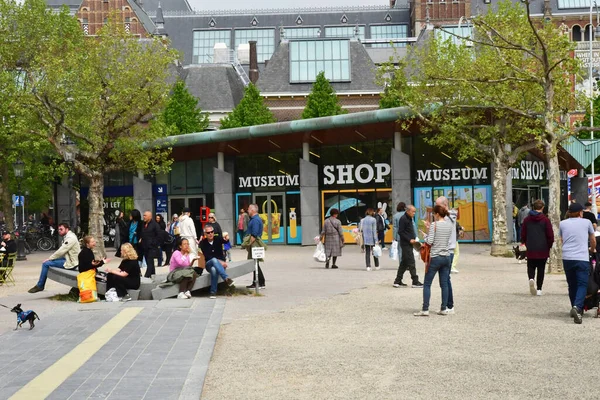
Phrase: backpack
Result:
[165,237]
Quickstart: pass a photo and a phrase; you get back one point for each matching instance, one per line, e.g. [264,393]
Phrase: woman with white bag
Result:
[369,232]
[333,238]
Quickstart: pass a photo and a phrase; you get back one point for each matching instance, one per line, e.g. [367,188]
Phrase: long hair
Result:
[128,252]
[440,210]
[135,215]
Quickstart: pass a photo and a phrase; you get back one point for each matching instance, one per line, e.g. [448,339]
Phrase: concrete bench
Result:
[234,270]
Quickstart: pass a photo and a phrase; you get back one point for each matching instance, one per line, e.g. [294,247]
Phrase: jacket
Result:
[214,250]
[86,256]
[537,235]
[523,213]
[368,226]
[69,250]
[10,247]
[406,230]
[150,235]
[187,230]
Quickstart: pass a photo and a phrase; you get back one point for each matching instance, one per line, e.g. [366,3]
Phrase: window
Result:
[388,32]
[299,33]
[265,41]
[204,43]
[563,4]
[344,32]
[309,57]
[464,31]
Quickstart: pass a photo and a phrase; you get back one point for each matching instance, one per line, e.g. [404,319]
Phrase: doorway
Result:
[271,209]
[177,203]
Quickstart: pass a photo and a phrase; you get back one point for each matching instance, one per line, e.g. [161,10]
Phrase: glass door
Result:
[271,209]
[177,203]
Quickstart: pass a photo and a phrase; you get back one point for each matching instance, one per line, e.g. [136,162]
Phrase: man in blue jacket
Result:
[255,230]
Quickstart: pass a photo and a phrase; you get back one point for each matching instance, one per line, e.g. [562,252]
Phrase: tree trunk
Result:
[499,244]
[6,198]
[555,261]
[96,218]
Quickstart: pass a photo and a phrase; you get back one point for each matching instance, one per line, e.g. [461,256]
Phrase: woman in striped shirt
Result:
[439,238]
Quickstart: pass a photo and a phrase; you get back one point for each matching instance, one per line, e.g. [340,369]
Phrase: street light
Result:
[591,79]
[19,170]
[69,155]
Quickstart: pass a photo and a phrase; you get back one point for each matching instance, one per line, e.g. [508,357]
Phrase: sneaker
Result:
[421,314]
[368,269]
[400,284]
[182,295]
[576,314]
[262,287]
[35,289]
[450,310]
[539,293]
[125,298]
[453,271]
[229,282]
[250,286]
[334,267]
[188,294]
[443,312]
[213,296]
[532,287]
[377,268]
[417,285]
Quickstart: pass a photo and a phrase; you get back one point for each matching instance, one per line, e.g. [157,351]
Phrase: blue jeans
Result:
[442,265]
[58,263]
[216,269]
[577,273]
[450,294]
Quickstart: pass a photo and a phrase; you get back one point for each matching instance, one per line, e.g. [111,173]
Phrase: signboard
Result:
[349,174]
[258,252]
[451,174]
[159,190]
[18,201]
[268,181]
[161,204]
[582,53]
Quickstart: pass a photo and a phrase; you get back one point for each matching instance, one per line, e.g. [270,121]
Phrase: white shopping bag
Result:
[377,251]
[394,250]
[319,254]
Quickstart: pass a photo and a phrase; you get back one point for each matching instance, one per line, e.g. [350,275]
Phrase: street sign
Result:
[161,204]
[572,173]
[258,252]
[18,201]
[159,190]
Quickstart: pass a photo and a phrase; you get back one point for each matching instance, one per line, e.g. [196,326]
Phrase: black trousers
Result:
[407,262]
[538,264]
[168,248]
[368,250]
[151,256]
[261,277]
[122,283]
[380,236]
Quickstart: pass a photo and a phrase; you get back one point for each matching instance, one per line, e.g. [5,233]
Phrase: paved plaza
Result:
[313,334]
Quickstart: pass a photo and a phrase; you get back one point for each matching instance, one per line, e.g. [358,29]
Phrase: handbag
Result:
[426,250]
[86,282]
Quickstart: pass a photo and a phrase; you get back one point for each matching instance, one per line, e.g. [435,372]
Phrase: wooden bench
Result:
[149,289]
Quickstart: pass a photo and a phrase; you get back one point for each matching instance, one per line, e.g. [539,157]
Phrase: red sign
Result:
[572,173]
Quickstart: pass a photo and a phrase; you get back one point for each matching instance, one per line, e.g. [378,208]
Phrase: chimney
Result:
[253,62]
[392,3]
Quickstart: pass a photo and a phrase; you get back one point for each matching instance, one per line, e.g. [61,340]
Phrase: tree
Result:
[249,112]
[182,113]
[505,89]
[322,101]
[103,95]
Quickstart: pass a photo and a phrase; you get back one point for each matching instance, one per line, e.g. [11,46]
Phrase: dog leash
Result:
[4,306]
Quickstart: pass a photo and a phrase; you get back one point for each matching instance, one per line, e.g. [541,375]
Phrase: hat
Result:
[575,207]
[5,233]
[185,210]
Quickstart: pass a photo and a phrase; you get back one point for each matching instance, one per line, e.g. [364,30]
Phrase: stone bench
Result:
[149,289]
[234,270]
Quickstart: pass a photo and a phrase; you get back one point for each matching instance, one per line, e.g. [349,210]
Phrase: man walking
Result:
[150,242]
[538,237]
[255,230]
[65,257]
[523,213]
[187,230]
[589,215]
[407,235]
[576,234]
[381,226]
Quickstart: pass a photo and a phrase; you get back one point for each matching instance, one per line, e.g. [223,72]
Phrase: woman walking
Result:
[334,238]
[439,238]
[368,226]
[121,233]
[538,237]
[182,271]
[127,276]
[135,230]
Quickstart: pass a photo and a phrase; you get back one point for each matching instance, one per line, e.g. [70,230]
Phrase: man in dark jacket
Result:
[212,248]
[407,234]
[538,237]
[149,242]
[8,245]
[381,227]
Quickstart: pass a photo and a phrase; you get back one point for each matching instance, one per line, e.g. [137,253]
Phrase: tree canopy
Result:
[322,100]
[249,112]
[182,113]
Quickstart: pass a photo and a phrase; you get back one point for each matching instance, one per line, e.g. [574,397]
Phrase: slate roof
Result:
[275,78]
[217,86]
[537,7]
[150,6]
[142,16]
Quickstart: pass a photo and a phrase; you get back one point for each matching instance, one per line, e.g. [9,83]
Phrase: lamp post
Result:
[69,155]
[591,79]
[19,170]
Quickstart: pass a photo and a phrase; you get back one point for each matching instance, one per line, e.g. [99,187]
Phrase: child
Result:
[227,245]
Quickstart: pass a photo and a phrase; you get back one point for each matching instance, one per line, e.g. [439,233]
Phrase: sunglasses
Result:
[209,232]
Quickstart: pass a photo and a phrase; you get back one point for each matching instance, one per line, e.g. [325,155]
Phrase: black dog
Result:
[23,316]
[520,254]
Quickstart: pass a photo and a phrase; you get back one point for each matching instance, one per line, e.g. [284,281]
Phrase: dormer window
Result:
[309,57]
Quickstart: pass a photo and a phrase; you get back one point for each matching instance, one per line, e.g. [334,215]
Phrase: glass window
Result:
[448,31]
[308,58]
[344,32]
[299,33]
[563,4]
[388,32]
[204,43]
[265,41]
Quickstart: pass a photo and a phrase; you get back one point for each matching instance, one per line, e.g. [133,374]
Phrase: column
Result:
[224,202]
[221,161]
[305,151]
[142,195]
[401,173]
[309,201]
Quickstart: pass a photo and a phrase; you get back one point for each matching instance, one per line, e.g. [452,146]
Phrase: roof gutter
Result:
[282,128]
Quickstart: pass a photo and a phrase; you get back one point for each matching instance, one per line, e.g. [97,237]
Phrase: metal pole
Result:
[21,240]
[256,289]
[591,79]
[71,198]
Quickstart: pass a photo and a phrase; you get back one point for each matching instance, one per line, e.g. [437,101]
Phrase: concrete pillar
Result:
[579,189]
[397,141]
[140,174]
[221,161]
[62,205]
[401,188]
[224,201]
[309,202]
[142,195]
[305,151]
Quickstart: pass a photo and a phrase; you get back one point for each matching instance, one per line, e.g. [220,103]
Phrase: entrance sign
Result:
[451,174]
[258,253]
[348,174]
[268,181]
[530,170]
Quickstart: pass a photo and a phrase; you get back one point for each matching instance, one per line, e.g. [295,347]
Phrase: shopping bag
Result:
[377,251]
[319,254]
[275,221]
[394,250]
[86,282]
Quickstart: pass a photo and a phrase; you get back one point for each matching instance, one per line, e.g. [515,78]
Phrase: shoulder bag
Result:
[426,250]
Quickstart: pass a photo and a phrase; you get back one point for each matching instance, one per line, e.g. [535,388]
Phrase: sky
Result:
[258,4]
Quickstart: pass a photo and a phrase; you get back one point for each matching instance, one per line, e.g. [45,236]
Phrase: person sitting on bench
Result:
[127,276]
[212,248]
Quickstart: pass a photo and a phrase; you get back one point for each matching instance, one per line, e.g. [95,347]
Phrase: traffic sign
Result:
[18,201]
